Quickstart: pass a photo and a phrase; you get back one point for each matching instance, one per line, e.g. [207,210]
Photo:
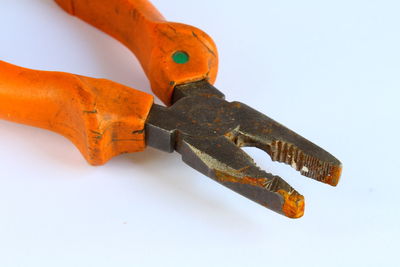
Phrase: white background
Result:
[329,70]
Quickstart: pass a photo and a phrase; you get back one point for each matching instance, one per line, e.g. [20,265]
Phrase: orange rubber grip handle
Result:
[102,118]
[139,26]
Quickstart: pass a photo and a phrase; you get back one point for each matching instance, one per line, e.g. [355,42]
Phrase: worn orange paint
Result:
[334,176]
[102,118]
[225,177]
[293,203]
[293,207]
[139,26]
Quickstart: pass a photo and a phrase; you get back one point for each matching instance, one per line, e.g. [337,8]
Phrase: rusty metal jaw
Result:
[209,132]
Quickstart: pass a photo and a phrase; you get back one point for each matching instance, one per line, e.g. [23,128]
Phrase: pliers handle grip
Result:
[102,118]
[160,46]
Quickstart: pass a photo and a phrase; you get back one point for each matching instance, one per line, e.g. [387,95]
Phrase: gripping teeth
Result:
[308,165]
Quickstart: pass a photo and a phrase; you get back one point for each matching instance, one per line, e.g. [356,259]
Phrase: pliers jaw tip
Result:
[334,175]
[293,205]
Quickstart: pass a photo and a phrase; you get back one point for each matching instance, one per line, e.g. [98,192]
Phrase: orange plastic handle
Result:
[102,118]
[140,27]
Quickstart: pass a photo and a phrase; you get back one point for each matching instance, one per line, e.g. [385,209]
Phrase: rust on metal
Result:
[209,132]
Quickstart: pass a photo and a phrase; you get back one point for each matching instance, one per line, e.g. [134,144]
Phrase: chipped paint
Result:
[293,205]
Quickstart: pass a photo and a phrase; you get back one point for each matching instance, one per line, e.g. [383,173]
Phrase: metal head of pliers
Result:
[208,132]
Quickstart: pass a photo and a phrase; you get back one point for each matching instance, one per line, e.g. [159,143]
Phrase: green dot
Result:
[180,57]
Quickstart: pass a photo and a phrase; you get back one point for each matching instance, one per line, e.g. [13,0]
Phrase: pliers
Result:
[104,119]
